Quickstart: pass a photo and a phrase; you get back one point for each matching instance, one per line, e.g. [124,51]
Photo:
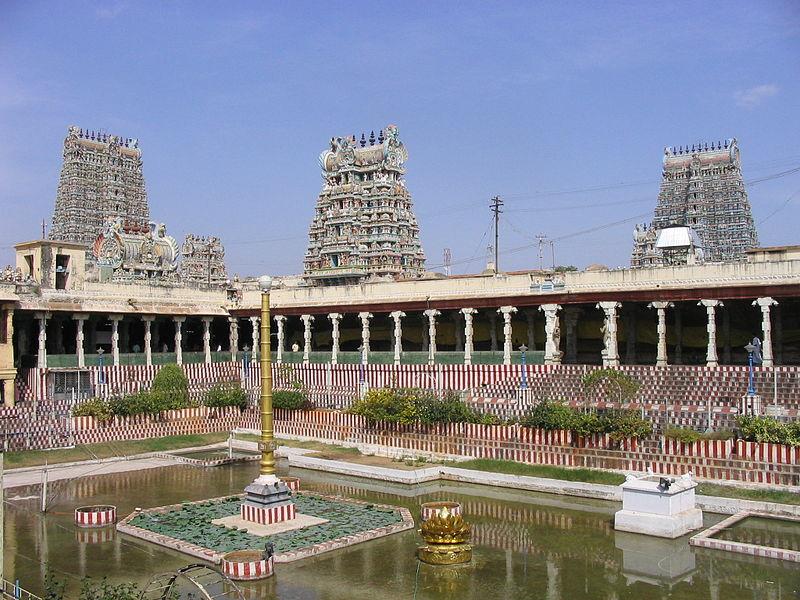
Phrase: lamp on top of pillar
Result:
[751,351]
[523,384]
[267,499]
[246,360]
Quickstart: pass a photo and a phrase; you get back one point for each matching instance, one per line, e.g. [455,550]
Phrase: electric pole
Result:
[541,238]
[495,206]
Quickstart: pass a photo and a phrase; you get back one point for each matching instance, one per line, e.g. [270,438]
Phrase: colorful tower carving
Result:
[364,224]
[701,189]
[101,181]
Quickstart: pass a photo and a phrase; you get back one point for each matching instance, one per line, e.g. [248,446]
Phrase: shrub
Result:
[611,385]
[226,394]
[549,415]
[620,424]
[290,399]
[171,385]
[767,429]
[624,424]
[96,407]
[687,435]
[411,405]
[133,404]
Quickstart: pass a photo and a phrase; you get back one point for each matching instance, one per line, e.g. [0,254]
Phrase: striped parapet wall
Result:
[95,516]
[268,516]
[247,565]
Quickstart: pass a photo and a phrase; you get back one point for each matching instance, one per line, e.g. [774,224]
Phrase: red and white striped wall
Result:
[95,516]
[429,509]
[293,483]
[268,516]
[237,566]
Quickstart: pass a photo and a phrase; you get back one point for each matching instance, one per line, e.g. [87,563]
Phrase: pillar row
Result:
[179,339]
[280,320]
[552,330]
[507,312]
[610,348]
[256,338]
[661,307]
[712,359]
[307,320]
[398,334]
[148,339]
[468,334]
[765,304]
[431,313]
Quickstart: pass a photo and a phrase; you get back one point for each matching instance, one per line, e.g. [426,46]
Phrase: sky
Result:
[561,108]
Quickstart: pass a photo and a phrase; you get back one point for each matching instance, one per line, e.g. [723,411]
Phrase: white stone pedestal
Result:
[655,510]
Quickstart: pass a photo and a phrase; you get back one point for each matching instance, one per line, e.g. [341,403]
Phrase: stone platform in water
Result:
[195,528]
[300,521]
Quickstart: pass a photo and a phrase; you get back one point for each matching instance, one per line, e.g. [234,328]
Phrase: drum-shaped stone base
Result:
[95,516]
[445,554]
[247,565]
[429,509]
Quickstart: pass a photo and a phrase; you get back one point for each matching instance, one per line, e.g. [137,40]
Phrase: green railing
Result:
[56,361]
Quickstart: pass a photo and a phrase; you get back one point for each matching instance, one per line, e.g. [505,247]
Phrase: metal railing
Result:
[13,591]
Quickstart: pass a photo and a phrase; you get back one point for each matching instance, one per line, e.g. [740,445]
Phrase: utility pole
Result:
[542,238]
[44,229]
[495,206]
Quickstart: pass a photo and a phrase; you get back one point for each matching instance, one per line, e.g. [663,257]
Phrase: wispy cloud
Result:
[110,10]
[752,97]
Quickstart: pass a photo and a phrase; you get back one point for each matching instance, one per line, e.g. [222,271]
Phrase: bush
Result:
[611,385]
[96,407]
[627,424]
[410,405]
[549,415]
[290,400]
[620,424]
[767,429]
[171,385]
[226,394]
[687,435]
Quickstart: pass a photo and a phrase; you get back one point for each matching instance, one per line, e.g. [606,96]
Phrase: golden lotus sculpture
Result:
[446,536]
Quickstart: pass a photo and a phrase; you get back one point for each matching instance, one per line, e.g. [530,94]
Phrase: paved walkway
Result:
[33,476]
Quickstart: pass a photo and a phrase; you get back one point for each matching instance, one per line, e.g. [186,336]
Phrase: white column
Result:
[712,360]
[256,325]
[279,322]
[365,317]
[468,333]
[179,339]
[148,340]
[661,307]
[307,319]
[335,318]
[610,348]
[115,319]
[765,303]
[431,313]
[233,336]
[571,314]
[41,359]
[206,339]
[398,334]
[552,331]
[79,339]
[507,312]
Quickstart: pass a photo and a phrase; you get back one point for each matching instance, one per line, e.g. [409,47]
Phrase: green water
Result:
[215,454]
[526,545]
[775,533]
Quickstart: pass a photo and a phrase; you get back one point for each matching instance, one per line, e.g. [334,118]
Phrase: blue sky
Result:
[561,108]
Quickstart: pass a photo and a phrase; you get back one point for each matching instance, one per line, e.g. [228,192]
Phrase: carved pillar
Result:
[678,336]
[458,332]
[256,326]
[206,339]
[307,320]
[279,323]
[335,318]
[493,331]
[179,339]
[552,331]
[571,314]
[661,307]
[233,336]
[712,360]
[365,317]
[610,350]
[41,359]
[530,319]
[79,339]
[765,303]
[398,335]
[630,336]
[148,340]
[468,333]
[507,312]
[432,313]
[115,319]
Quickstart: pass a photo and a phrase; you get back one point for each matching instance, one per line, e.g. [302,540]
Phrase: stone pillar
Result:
[726,337]
[256,326]
[179,339]
[630,336]
[307,320]
[206,339]
[365,317]
[115,319]
[398,335]
[571,314]
[530,319]
[610,349]
[552,331]
[458,332]
[678,336]
[661,307]
[765,303]
[712,360]
[507,312]
[80,350]
[335,318]
[41,359]
[233,336]
[432,313]
[280,320]
[148,339]
[468,333]
[493,331]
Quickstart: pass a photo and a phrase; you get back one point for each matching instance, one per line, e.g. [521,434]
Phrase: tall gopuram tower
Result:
[101,179]
[702,192]
[364,224]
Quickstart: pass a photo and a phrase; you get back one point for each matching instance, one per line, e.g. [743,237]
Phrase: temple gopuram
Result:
[364,226]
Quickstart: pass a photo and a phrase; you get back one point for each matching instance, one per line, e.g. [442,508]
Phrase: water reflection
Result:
[526,545]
